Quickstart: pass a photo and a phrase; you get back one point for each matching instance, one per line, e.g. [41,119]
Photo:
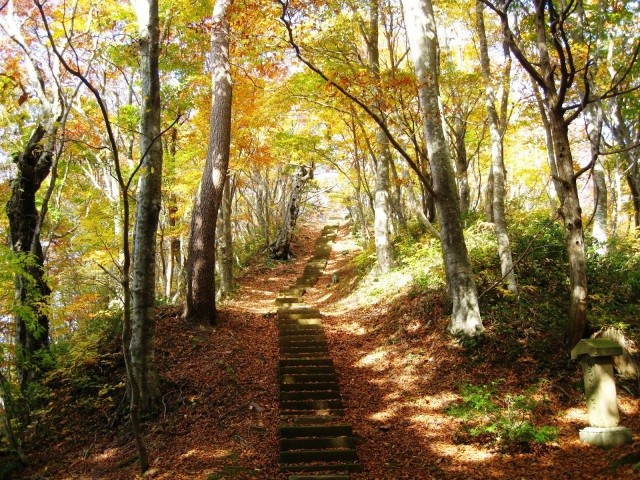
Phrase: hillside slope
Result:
[401,375]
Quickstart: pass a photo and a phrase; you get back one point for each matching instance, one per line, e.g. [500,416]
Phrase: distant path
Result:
[314,440]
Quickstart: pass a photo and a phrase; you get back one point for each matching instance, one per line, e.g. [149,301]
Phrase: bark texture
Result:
[200,304]
[225,241]
[32,323]
[148,202]
[421,30]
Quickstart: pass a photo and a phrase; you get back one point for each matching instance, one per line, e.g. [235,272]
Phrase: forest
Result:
[284,239]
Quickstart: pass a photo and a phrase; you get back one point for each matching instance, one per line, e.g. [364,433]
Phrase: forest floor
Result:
[399,370]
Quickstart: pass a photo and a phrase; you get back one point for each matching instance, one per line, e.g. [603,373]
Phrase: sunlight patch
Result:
[469,453]
[372,358]
[385,415]
[107,454]
[576,415]
[354,328]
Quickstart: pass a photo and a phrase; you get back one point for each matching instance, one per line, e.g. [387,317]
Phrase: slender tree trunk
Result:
[227,282]
[421,31]
[148,202]
[384,248]
[497,155]
[397,204]
[280,248]
[200,304]
[382,203]
[551,156]
[593,122]
[601,215]
[362,219]
[461,162]
[488,197]
[624,140]
[173,256]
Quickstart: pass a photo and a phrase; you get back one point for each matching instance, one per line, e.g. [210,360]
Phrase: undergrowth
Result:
[508,420]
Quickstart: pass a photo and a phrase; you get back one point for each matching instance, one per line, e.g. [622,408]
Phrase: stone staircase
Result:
[315,442]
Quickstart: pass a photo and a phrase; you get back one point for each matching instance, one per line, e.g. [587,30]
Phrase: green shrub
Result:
[507,420]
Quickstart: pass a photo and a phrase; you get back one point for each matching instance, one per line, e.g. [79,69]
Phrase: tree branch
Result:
[376,118]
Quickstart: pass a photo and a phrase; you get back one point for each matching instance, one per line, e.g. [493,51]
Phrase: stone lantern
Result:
[596,356]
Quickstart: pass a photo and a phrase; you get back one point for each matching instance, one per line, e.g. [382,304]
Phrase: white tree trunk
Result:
[496,130]
[421,32]
[382,203]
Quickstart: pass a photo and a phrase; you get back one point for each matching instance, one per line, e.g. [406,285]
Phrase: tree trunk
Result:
[31,290]
[497,155]
[225,240]
[384,248]
[382,204]
[555,81]
[200,304]
[462,162]
[397,204]
[488,197]
[148,202]
[173,257]
[601,215]
[280,248]
[421,32]
[571,215]
[624,141]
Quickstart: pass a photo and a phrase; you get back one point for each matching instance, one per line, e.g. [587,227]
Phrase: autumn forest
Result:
[292,240]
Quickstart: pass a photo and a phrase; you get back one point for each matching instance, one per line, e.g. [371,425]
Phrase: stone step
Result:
[292,292]
[306,456]
[310,395]
[296,378]
[288,299]
[293,304]
[317,443]
[304,344]
[303,338]
[306,369]
[303,431]
[308,386]
[318,477]
[298,316]
[311,420]
[304,361]
[293,322]
[306,356]
[299,313]
[293,330]
[299,310]
[293,338]
[323,467]
[305,350]
[329,412]
[314,347]
[305,405]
